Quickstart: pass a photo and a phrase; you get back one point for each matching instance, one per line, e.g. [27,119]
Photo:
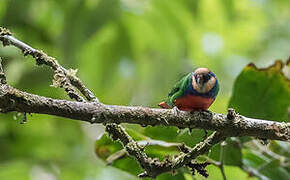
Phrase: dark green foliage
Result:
[266,91]
[232,153]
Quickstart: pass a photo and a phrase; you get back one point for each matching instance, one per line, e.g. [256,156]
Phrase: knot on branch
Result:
[282,131]
[231,114]
[3,32]
[2,78]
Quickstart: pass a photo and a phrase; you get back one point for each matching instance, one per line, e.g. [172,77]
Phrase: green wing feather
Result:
[178,90]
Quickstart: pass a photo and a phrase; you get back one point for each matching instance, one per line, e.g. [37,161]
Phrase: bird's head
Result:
[203,80]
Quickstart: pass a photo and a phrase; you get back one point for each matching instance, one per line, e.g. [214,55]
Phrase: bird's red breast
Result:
[190,103]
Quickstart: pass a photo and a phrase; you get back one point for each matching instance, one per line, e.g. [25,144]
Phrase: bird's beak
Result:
[199,79]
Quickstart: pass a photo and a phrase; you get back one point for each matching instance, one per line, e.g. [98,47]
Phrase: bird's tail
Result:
[164,105]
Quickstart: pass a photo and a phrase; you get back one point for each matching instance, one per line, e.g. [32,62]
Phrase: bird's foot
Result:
[206,110]
[176,111]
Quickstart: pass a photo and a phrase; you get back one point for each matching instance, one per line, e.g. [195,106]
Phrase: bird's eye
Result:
[207,77]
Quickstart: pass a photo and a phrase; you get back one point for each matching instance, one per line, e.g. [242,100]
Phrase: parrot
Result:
[195,91]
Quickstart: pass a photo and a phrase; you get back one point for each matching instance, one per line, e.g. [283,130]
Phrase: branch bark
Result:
[235,125]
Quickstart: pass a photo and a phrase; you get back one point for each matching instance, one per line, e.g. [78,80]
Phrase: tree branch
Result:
[63,78]
[143,144]
[93,112]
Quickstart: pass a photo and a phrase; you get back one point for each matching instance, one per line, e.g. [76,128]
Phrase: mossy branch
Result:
[93,112]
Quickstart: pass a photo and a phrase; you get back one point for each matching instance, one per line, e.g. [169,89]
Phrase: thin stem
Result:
[2,75]
[221,166]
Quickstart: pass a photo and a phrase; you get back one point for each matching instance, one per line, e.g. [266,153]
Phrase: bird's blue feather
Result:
[210,94]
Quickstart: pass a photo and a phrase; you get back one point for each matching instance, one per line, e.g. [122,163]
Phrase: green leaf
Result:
[262,93]
[104,147]
[19,170]
[232,153]
[265,94]
[275,173]
[253,160]
[162,133]
[271,168]
[281,148]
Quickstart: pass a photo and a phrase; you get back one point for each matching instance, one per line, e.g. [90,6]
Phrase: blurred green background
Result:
[129,52]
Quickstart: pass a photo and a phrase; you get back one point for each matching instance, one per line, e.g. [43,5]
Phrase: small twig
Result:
[67,80]
[117,132]
[265,150]
[2,75]
[231,114]
[144,143]
[211,161]
[154,167]
[82,88]
[254,172]
[116,156]
[221,166]
[249,170]
[24,118]
[185,158]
